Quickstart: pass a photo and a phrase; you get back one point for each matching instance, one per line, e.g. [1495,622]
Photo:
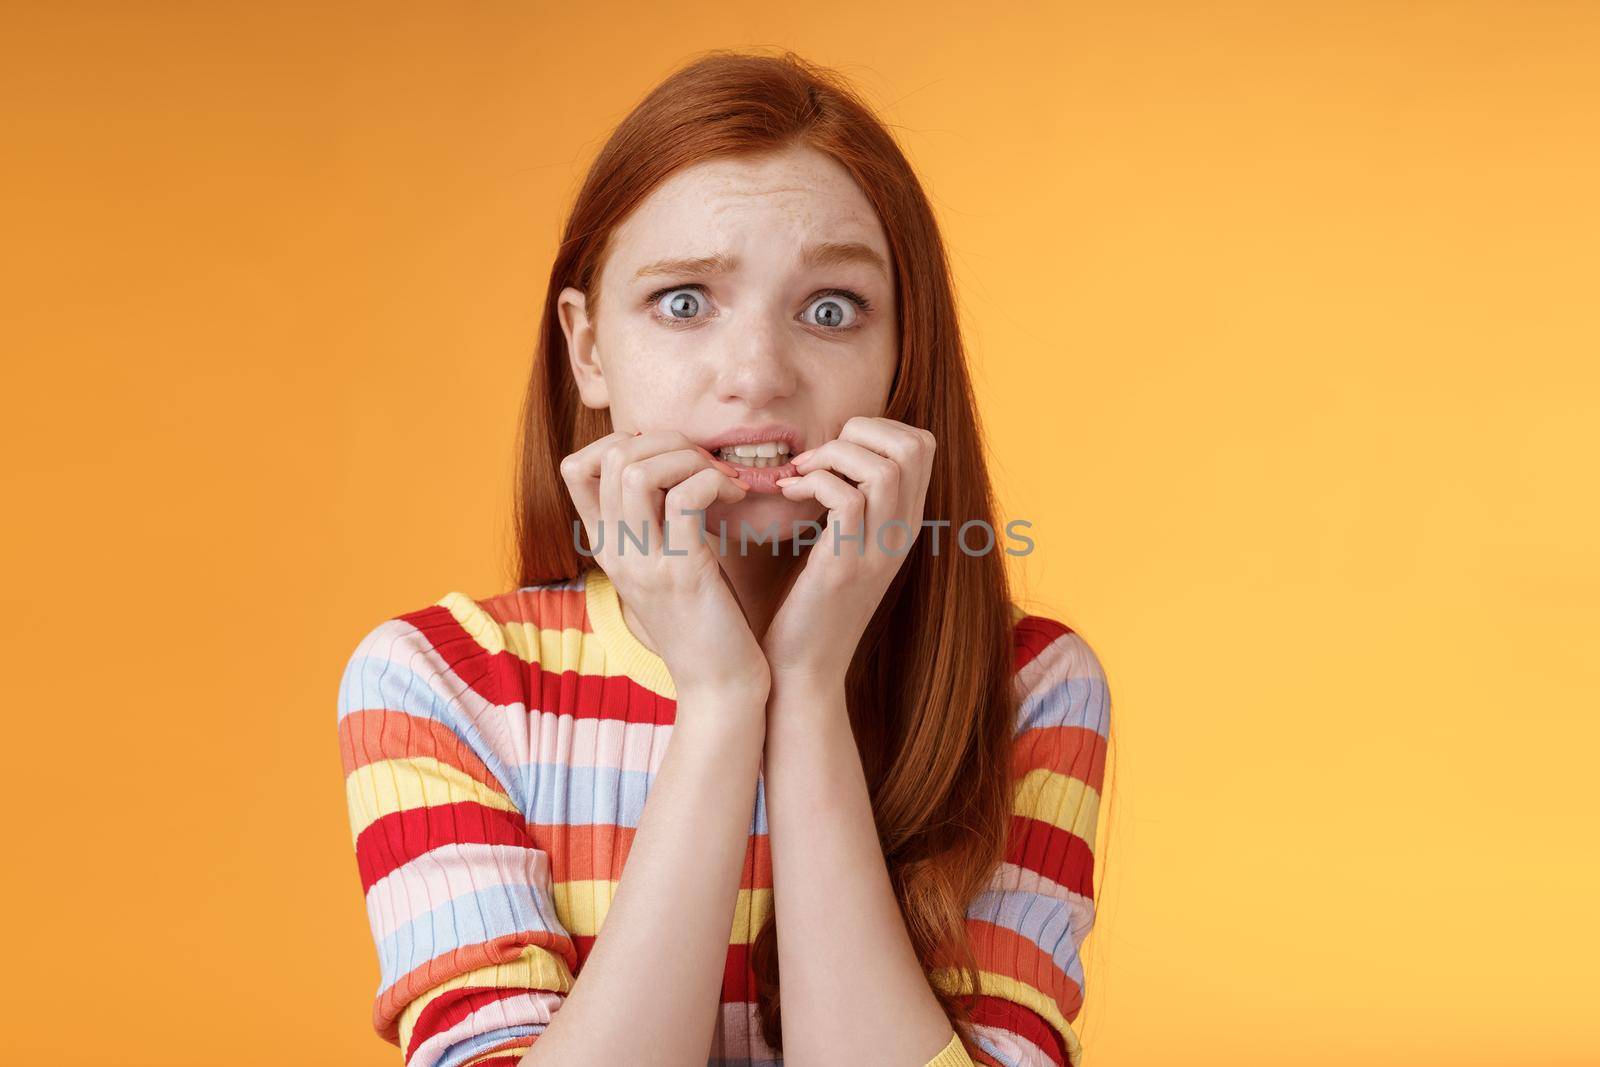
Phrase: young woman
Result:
[695,713]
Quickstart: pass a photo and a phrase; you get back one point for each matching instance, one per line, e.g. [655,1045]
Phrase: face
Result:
[745,294]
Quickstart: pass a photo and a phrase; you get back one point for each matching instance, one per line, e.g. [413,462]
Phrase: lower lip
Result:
[761,479]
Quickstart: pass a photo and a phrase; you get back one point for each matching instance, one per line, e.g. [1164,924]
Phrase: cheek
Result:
[648,382]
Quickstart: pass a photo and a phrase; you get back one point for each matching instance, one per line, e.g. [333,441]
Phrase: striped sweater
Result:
[497,755]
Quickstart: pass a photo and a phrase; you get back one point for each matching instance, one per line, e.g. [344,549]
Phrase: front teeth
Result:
[761,454]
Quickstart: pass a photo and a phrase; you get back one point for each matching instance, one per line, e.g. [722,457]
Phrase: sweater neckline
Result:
[604,605]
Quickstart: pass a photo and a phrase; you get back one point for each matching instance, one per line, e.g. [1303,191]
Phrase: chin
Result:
[760,510]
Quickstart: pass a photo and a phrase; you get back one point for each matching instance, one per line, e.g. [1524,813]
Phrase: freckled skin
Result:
[757,350]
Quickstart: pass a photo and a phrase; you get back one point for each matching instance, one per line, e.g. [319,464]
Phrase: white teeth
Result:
[758,454]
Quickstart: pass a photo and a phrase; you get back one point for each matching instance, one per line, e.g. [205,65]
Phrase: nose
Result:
[755,365]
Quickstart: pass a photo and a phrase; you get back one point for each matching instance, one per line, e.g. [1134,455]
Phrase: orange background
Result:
[1284,319]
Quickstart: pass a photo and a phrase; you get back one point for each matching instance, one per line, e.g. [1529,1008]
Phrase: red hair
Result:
[930,688]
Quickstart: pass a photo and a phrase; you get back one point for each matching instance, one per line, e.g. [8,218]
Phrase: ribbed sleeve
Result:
[953,1054]
[472,957]
[1028,927]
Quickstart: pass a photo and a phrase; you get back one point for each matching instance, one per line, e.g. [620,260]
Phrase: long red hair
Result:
[930,689]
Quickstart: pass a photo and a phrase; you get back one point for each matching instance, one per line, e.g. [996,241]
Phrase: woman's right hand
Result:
[683,598]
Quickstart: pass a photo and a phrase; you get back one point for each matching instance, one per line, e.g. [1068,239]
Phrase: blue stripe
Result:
[1084,702]
[1044,920]
[465,1049]
[583,796]
[374,680]
[469,919]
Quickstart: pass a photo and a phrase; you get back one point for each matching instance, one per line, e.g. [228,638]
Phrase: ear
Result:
[572,307]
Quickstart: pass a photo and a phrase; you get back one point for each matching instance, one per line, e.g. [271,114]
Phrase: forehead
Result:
[748,205]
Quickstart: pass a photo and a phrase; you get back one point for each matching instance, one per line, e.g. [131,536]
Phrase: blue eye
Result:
[835,311]
[685,303]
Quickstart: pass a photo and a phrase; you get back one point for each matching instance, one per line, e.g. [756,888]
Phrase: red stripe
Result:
[396,839]
[450,1007]
[1051,851]
[591,696]
[1031,634]
[458,649]
[376,734]
[738,979]
[1022,1021]
[582,945]
[1004,951]
[1072,750]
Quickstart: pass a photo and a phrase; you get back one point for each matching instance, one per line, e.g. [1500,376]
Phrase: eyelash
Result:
[863,306]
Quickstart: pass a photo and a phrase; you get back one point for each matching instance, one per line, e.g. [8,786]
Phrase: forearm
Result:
[853,988]
[649,990]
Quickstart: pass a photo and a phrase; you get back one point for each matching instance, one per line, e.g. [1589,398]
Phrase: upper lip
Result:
[751,433]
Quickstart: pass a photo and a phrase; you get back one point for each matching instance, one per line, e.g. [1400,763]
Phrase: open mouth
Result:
[757,456]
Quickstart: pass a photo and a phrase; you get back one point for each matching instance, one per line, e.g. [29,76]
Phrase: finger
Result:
[686,503]
[581,472]
[629,450]
[878,476]
[845,503]
[645,482]
[899,441]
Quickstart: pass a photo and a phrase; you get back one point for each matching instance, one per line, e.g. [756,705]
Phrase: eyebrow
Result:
[826,254]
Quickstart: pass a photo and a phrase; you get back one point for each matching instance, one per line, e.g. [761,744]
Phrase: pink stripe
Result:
[445,873]
[1014,1047]
[534,1008]
[595,742]
[499,725]
[1011,876]
[1052,664]
[738,1034]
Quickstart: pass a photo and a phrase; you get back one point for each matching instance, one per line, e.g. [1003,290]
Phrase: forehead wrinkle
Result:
[818,254]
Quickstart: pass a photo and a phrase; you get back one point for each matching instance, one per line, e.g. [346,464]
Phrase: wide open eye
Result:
[838,309]
[677,305]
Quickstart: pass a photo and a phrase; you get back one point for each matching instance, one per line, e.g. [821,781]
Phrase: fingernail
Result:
[785,481]
[803,455]
[636,433]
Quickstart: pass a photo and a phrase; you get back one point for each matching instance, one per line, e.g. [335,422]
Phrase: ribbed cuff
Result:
[952,1055]
[633,657]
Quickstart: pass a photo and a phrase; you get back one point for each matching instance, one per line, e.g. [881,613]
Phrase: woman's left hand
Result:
[834,595]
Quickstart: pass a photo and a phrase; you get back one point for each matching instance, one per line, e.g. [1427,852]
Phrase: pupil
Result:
[829,313]
[685,303]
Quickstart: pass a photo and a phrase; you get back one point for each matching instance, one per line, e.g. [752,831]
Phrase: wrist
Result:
[727,706]
[816,689]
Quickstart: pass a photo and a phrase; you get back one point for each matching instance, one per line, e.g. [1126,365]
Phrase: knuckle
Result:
[635,477]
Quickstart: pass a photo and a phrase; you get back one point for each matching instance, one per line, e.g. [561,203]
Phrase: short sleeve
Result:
[1028,927]
[473,959]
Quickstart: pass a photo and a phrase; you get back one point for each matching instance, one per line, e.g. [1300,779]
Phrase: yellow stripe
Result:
[999,985]
[1061,800]
[749,912]
[388,786]
[583,904]
[472,618]
[954,1054]
[534,968]
[559,650]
